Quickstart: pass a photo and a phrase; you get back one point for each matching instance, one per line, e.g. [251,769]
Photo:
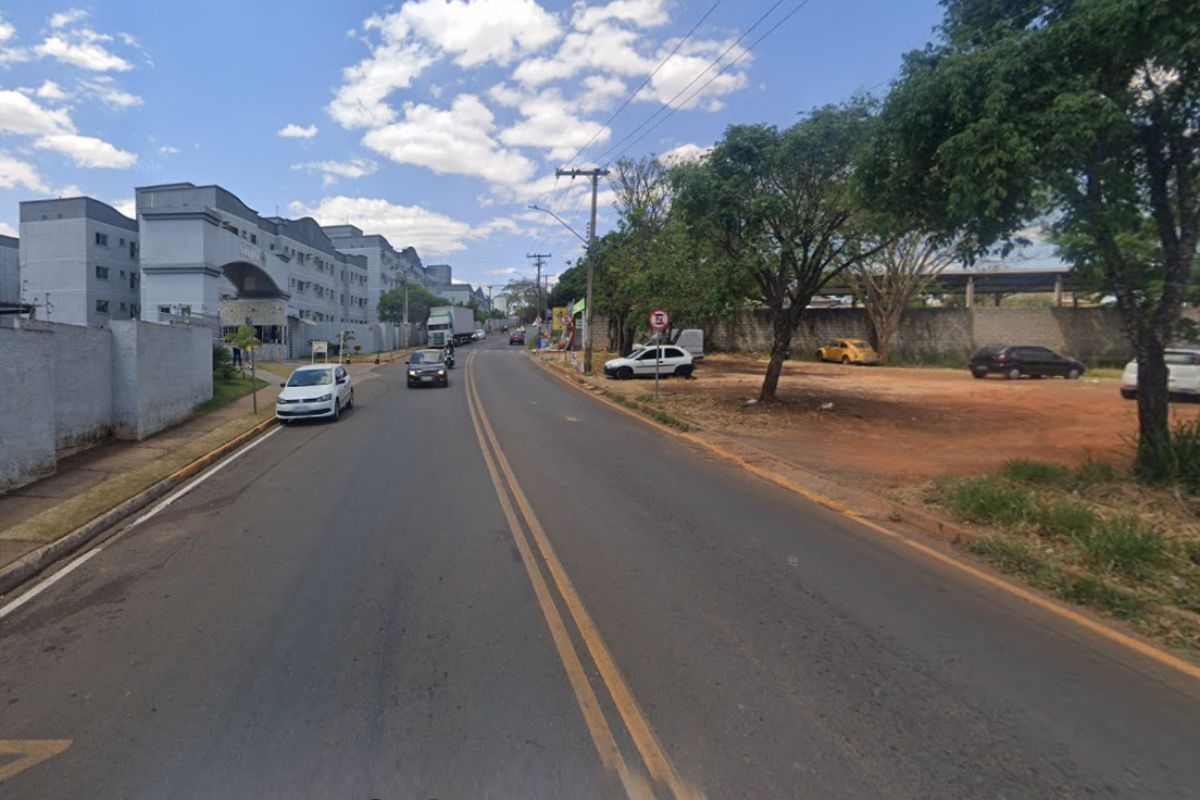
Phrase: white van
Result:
[690,339]
[1183,375]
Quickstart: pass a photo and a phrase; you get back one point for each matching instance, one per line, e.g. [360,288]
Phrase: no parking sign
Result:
[659,320]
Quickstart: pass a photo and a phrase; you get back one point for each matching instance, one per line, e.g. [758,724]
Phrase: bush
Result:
[1124,546]
[1175,459]
[987,500]
[1037,472]
[222,364]
[1066,519]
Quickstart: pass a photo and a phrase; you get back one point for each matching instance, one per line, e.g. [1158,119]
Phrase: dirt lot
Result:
[890,427]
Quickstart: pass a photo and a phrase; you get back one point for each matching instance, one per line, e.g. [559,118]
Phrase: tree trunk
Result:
[780,344]
[1154,431]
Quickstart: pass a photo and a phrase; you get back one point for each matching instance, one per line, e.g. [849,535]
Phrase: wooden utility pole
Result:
[595,175]
[538,260]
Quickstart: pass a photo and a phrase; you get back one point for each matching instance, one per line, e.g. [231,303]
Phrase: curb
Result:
[936,528]
[33,562]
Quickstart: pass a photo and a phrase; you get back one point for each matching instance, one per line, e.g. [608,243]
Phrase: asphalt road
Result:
[532,595]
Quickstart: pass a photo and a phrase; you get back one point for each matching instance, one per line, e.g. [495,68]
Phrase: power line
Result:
[644,83]
[698,76]
[716,75]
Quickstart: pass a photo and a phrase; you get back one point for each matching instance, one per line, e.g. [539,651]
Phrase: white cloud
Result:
[692,60]
[49,90]
[600,92]
[643,13]
[16,173]
[7,30]
[606,48]
[83,48]
[107,91]
[21,115]
[433,234]
[547,123]
[87,151]
[168,150]
[127,206]
[684,154]
[8,53]
[8,230]
[457,140]
[68,17]
[359,102]
[332,170]
[480,31]
[294,131]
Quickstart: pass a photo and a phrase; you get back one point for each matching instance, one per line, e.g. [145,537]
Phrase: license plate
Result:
[426,377]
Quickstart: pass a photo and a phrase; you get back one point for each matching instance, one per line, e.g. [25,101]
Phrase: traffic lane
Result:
[781,646]
[340,614]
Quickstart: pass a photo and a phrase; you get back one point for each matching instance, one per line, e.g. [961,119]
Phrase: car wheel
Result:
[820,356]
[337,410]
[979,373]
[1129,394]
[1073,374]
[684,370]
[624,374]
[845,359]
[350,402]
[1013,374]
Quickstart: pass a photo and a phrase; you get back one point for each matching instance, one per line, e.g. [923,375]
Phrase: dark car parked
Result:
[1015,361]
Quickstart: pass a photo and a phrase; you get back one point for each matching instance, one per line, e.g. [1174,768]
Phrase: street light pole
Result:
[595,175]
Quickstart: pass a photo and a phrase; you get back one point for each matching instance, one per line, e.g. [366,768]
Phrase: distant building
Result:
[79,261]
[438,276]
[387,268]
[10,270]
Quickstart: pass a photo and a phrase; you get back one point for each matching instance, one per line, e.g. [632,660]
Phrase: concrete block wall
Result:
[161,372]
[82,380]
[27,449]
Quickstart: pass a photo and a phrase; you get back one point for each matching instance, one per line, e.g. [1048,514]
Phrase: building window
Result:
[101,306]
[133,249]
[254,238]
[102,239]
[133,280]
[121,241]
[122,306]
[164,309]
[135,311]
[102,273]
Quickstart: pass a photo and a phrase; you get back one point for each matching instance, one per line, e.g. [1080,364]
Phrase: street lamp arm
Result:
[561,222]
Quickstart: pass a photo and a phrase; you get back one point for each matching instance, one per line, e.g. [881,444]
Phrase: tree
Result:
[777,206]
[888,282]
[247,341]
[420,300]
[1086,108]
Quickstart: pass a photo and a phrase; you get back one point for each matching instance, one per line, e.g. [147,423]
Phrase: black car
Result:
[1015,361]
[427,368]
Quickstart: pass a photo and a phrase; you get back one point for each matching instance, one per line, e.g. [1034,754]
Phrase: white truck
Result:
[450,323]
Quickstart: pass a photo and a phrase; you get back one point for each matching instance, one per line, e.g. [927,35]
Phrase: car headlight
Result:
[325,398]
[441,372]
[412,373]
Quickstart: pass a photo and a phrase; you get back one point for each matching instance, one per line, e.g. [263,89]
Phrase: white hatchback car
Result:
[315,391]
[671,360]
[1183,375]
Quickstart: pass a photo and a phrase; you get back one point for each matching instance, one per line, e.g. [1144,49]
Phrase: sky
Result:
[434,122]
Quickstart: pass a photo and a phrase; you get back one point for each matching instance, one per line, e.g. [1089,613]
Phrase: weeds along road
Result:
[507,589]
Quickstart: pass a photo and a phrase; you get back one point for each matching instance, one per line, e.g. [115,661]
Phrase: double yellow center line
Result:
[647,744]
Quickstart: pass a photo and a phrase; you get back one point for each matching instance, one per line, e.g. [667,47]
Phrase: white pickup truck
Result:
[1183,379]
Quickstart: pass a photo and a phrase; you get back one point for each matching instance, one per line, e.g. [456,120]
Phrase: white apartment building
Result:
[10,270]
[387,268]
[79,261]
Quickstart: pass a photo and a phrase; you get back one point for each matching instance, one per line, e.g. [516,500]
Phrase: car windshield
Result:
[311,377]
[427,357]
[1179,358]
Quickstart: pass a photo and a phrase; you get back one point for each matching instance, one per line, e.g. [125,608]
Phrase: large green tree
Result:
[420,300]
[1086,108]
[778,207]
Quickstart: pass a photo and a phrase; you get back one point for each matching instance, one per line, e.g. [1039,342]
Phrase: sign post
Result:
[659,320]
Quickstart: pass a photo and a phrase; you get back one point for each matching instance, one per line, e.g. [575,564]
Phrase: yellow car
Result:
[849,351]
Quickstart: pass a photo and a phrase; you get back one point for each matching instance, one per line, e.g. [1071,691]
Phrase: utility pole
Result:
[595,175]
[538,260]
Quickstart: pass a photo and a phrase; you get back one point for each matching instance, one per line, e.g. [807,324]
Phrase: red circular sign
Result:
[659,320]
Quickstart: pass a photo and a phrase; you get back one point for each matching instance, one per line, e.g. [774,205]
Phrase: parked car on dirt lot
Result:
[849,351]
[672,361]
[1032,361]
[517,337]
[315,391]
[1183,375]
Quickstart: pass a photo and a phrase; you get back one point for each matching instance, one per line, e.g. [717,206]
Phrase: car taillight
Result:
[1001,357]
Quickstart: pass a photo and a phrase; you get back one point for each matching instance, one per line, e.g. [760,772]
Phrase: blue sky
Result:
[435,122]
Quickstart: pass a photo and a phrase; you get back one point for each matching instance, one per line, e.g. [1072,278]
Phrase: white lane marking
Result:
[171,498]
[46,584]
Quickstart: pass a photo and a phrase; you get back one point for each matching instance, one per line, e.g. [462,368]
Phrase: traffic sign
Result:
[659,320]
